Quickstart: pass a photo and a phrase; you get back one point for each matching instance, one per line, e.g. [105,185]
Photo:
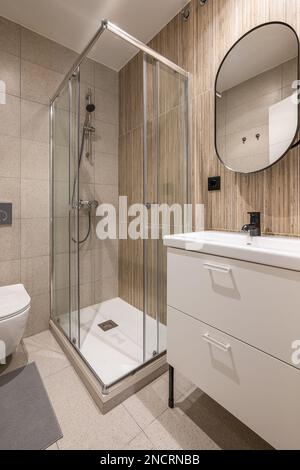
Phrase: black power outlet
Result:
[214,183]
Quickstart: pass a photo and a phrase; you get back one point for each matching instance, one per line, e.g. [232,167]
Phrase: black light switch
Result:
[214,183]
[5,213]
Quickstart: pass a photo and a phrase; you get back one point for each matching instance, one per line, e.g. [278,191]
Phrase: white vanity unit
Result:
[233,316]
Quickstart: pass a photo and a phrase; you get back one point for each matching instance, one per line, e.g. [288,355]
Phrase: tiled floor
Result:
[144,421]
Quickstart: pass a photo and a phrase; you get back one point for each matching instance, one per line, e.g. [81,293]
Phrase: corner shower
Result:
[115,133]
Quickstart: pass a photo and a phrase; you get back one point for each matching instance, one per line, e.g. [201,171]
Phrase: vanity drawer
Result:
[258,389]
[258,304]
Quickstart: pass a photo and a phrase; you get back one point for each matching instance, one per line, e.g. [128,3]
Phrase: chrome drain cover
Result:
[108,325]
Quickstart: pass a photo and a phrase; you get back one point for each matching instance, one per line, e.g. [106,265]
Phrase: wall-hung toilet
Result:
[14,311]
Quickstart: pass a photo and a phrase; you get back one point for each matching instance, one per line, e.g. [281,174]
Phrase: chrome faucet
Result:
[254,228]
[89,205]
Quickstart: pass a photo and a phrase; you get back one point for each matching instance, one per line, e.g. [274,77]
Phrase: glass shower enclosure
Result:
[118,139]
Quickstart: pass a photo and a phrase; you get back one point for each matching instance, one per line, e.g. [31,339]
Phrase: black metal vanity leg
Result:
[171,387]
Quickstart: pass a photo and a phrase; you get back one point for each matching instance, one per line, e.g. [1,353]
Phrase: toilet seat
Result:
[14,300]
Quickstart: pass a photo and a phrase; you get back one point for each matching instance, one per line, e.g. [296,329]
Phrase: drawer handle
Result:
[214,342]
[217,267]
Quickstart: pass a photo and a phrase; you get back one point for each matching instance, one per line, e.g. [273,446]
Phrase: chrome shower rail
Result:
[140,45]
[108,26]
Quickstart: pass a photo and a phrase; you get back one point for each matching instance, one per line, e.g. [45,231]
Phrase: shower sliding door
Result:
[165,186]
[65,217]
[74,213]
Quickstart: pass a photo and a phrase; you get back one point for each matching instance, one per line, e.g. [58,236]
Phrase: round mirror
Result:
[257,99]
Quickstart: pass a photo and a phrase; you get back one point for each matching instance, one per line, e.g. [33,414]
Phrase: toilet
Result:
[14,311]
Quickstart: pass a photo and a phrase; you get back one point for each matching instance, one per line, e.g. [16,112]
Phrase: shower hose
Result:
[88,234]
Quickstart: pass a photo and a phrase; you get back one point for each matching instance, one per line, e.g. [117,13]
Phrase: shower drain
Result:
[108,325]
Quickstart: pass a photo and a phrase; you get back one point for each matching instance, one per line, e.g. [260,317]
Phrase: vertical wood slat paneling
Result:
[167,41]
[292,13]
[203,46]
[277,10]
[186,36]
[199,45]
[131,185]
[252,13]
[137,198]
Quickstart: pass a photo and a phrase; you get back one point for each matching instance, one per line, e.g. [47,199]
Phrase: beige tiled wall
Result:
[32,67]
[98,181]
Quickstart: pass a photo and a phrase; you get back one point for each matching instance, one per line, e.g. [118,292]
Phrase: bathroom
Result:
[108,111]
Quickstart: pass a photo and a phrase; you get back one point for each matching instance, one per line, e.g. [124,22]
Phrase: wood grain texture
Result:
[199,46]
[274,192]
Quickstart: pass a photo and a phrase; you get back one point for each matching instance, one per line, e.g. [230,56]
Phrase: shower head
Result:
[87,127]
[90,108]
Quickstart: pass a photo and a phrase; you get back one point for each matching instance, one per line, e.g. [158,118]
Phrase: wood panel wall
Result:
[199,45]
[131,175]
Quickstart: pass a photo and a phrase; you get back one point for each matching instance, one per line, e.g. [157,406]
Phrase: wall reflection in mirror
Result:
[256,119]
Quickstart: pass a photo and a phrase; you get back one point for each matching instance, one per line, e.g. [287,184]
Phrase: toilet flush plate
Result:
[5,213]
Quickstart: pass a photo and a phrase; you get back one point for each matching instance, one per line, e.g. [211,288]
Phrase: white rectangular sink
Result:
[282,252]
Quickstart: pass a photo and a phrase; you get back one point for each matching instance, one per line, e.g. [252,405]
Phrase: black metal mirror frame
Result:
[293,143]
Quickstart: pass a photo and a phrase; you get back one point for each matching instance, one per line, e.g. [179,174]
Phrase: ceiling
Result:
[72,23]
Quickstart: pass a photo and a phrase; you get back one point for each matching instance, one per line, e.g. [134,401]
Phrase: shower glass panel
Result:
[172,174]
[166,174]
[65,260]
[116,136]
[60,209]
[74,220]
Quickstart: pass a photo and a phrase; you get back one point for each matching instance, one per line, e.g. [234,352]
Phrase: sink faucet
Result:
[254,228]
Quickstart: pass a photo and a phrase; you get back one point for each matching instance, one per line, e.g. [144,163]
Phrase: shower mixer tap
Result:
[89,205]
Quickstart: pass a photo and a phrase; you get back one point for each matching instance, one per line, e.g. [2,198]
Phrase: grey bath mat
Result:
[27,419]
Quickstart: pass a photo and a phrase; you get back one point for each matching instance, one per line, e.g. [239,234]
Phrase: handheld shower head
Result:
[90,108]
